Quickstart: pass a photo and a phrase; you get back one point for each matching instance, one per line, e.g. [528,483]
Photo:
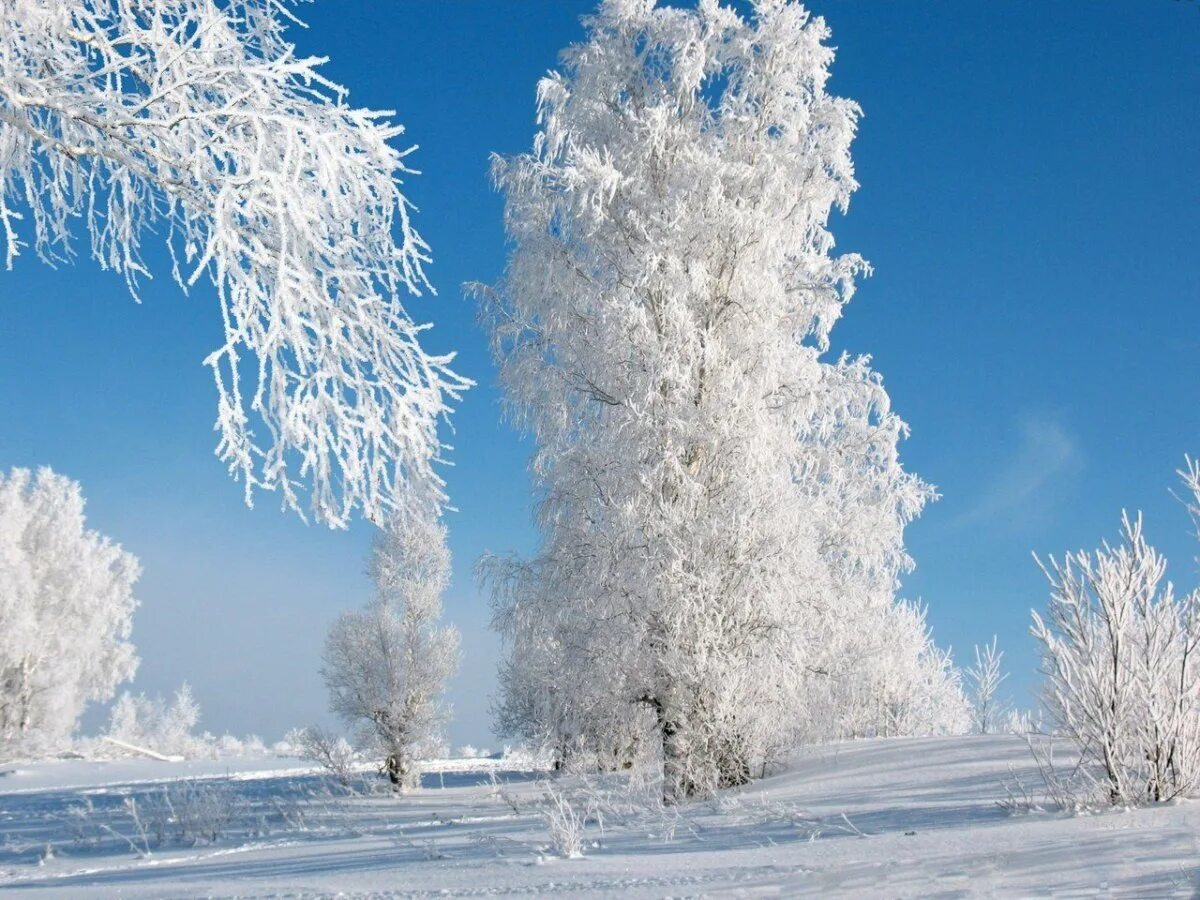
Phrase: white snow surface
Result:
[879,818]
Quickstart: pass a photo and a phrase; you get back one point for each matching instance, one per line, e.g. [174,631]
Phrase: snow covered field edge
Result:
[890,818]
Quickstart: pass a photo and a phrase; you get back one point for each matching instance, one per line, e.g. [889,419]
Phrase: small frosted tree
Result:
[885,677]
[984,680]
[915,684]
[719,503]
[386,666]
[66,607]
[1120,662]
[153,723]
[195,119]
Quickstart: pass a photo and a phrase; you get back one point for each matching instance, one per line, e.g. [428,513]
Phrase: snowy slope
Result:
[891,818]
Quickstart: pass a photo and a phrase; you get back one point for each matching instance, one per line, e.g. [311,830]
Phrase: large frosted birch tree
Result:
[721,505]
[197,120]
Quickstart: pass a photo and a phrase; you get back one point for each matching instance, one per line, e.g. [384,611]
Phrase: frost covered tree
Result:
[152,722]
[66,607]
[721,506]
[1122,679]
[195,119]
[386,666]
[985,678]
[891,680]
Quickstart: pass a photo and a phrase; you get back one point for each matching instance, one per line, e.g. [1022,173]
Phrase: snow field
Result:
[880,818]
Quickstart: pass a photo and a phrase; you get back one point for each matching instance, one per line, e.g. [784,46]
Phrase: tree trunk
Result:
[25,695]
[733,765]
[677,782]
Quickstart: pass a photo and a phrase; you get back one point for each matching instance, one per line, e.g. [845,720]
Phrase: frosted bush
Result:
[292,743]
[231,746]
[155,724]
[1023,721]
[565,817]
[985,678]
[332,753]
[1122,669]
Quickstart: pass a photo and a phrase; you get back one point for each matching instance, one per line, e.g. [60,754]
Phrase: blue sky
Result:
[1030,202]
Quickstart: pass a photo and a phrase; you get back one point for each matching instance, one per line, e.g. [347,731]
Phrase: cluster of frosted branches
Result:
[722,509]
[886,678]
[985,677]
[1121,667]
[196,118]
[168,727]
[386,666]
[66,608]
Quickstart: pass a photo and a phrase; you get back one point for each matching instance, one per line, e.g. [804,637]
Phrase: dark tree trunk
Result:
[677,784]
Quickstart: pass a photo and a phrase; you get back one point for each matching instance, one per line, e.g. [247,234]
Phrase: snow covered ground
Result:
[890,818]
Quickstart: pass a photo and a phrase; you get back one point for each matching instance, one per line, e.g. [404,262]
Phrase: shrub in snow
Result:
[891,681]
[721,507]
[1058,789]
[192,812]
[228,745]
[984,678]
[155,724]
[253,745]
[186,813]
[1023,721]
[1120,661]
[332,753]
[66,606]
[197,120]
[299,742]
[292,744]
[565,817]
[386,666]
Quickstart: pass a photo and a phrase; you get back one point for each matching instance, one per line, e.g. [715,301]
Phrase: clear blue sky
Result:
[1030,201]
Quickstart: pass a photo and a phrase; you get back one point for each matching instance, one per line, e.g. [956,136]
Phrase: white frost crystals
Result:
[721,508]
[988,711]
[1121,659]
[66,605]
[194,117]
